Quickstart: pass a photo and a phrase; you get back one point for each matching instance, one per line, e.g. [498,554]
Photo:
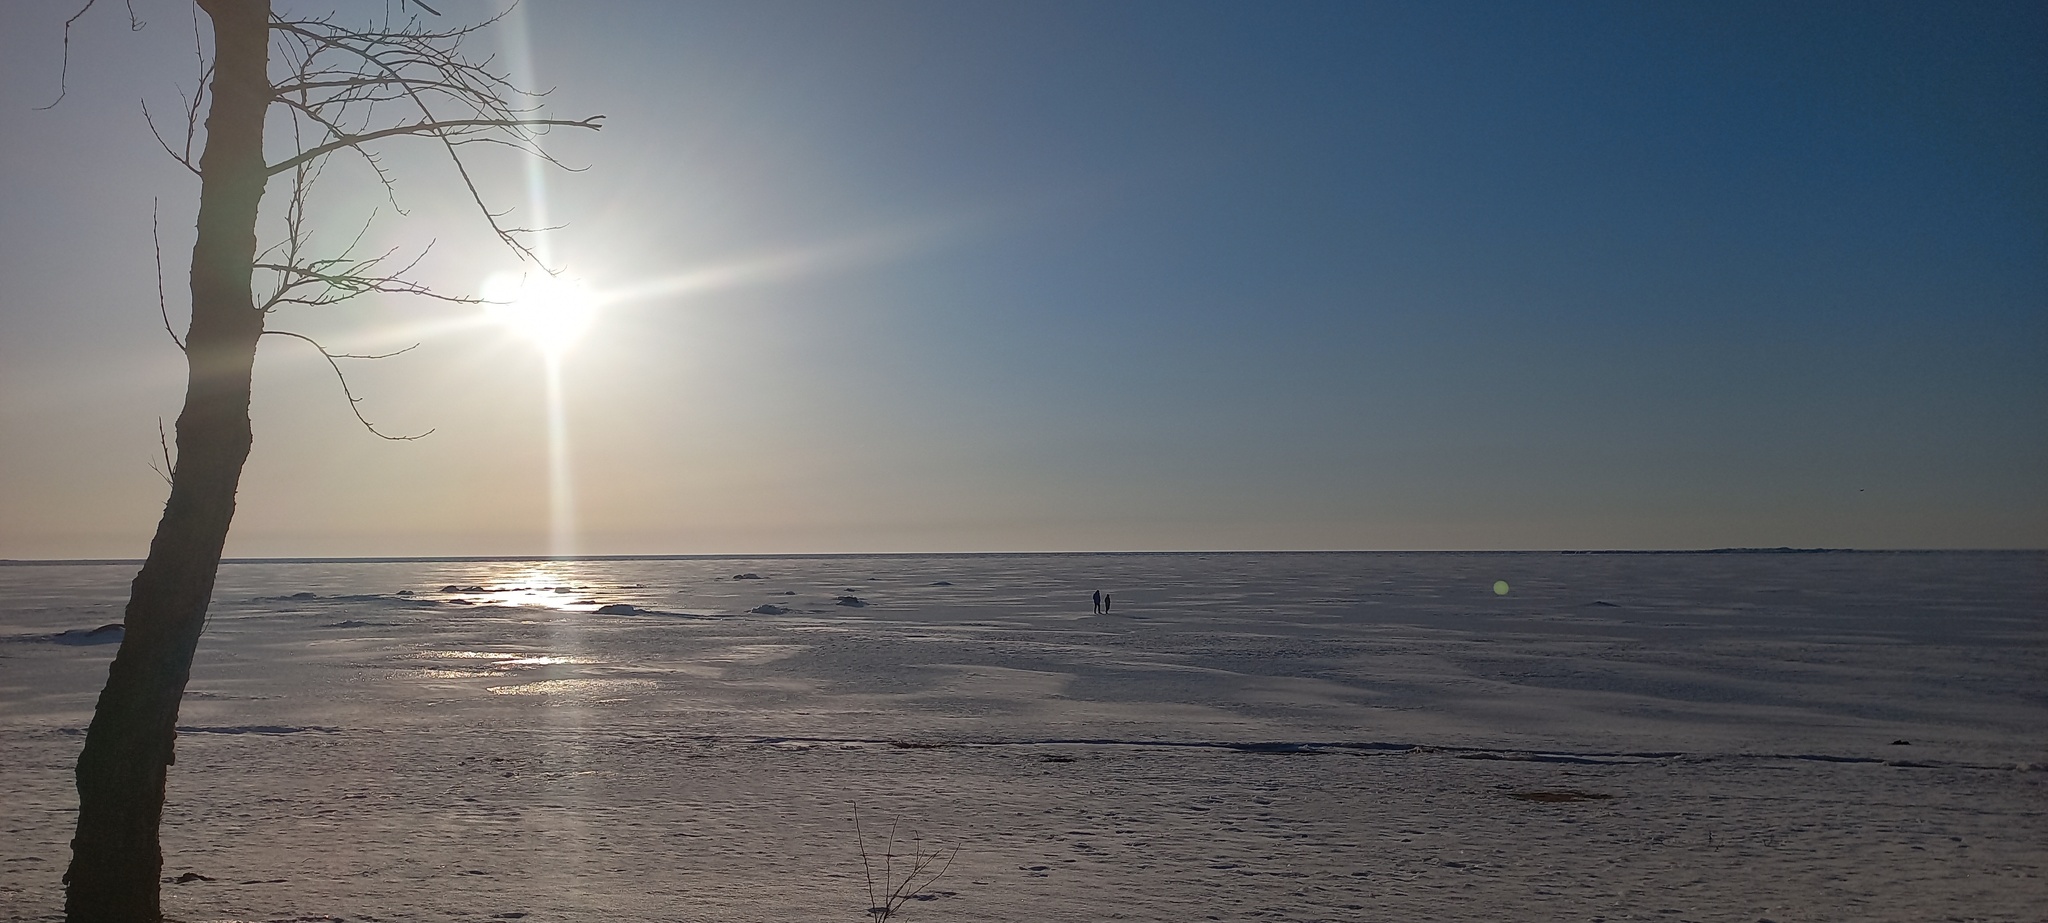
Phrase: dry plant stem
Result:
[915,880]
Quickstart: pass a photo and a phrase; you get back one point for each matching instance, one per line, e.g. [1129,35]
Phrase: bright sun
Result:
[549,310]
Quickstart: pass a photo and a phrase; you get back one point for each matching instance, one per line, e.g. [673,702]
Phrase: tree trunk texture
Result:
[116,861]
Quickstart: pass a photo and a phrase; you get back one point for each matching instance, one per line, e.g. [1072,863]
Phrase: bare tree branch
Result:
[354,402]
[185,158]
[424,69]
[161,307]
[446,129]
[164,442]
[192,105]
[338,86]
[64,68]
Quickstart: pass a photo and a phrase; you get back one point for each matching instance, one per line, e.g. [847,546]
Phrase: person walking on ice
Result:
[1098,602]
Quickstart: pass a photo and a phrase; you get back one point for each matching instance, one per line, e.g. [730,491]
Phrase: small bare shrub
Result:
[904,878]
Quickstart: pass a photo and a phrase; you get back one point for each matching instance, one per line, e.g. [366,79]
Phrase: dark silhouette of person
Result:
[1105,604]
[1098,602]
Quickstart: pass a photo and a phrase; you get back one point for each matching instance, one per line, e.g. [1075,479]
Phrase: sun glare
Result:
[551,311]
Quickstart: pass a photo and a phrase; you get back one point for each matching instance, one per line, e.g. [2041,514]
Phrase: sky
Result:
[945,277]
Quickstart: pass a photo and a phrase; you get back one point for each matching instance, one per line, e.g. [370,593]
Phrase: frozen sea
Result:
[1285,737]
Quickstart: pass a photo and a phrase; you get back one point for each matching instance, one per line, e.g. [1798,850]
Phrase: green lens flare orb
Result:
[1500,588]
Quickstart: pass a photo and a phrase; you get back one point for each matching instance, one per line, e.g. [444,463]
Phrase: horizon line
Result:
[508,558]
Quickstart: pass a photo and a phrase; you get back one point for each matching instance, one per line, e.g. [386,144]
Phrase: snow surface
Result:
[1288,737]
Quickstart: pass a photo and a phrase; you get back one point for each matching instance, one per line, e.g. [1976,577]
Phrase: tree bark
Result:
[116,861]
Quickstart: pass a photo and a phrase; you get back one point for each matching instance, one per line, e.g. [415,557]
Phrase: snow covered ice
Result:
[1247,736]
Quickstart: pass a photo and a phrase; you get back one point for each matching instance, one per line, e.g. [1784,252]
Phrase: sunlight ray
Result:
[551,314]
[864,249]
[561,485]
[549,310]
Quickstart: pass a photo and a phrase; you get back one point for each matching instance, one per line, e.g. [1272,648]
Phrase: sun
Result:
[550,311]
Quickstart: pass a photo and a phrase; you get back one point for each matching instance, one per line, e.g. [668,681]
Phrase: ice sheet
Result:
[1273,736]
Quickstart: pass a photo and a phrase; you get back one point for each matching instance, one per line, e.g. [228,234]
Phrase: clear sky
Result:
[1103,276]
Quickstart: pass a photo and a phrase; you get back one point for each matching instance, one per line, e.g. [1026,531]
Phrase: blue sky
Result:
[1124,276]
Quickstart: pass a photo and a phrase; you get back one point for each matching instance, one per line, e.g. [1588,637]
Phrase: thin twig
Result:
[445,129]
[64,68]
[354,402]
[185,159]
[164,442]
[162,308]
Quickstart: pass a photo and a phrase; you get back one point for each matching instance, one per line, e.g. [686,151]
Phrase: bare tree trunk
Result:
[116,861]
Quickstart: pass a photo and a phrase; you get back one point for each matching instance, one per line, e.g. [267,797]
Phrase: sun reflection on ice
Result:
[508,658]
[541,661]
[578,688]
[546,586]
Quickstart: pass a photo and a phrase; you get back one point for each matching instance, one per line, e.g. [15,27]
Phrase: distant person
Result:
[1098,602]
[1105,604]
